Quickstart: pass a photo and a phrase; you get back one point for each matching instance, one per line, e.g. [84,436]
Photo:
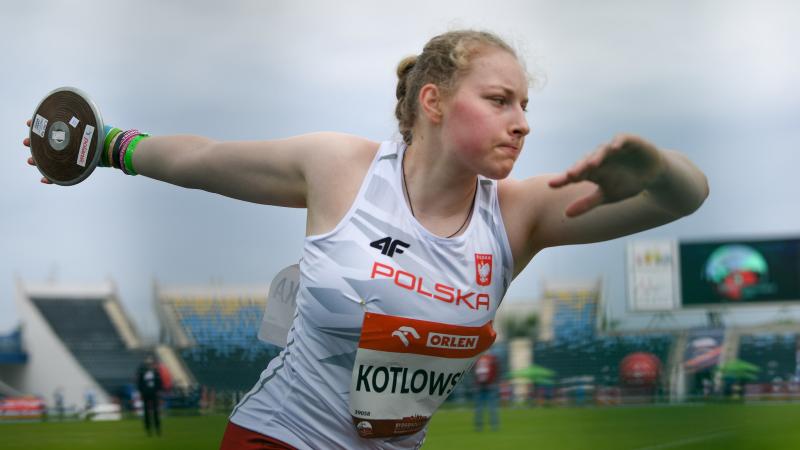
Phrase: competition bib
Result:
[406,368]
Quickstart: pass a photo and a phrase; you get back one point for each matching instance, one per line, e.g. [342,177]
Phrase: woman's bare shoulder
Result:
[331,150]
[521,201]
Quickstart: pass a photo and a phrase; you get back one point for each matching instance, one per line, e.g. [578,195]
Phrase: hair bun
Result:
[403,69]
[405,66]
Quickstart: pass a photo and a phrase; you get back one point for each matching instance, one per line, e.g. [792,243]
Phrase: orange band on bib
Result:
[400,335]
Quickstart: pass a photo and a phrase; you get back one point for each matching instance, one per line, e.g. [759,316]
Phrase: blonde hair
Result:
[443,61]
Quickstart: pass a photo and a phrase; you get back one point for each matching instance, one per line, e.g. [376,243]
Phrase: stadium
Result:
[210,353]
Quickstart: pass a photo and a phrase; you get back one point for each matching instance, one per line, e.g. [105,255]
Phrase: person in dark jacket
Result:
[149,383]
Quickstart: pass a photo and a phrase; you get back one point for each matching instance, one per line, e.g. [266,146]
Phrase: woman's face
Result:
[483,122]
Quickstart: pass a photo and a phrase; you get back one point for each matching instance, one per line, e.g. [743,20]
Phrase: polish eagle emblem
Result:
[483,269]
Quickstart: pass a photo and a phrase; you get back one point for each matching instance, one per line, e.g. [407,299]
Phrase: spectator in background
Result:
[148,381]
[58,396]
[486,370]
[89,399]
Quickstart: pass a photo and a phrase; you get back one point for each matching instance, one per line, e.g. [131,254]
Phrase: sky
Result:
[716,80]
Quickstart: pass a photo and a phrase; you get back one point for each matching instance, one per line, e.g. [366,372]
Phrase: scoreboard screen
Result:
[739,272]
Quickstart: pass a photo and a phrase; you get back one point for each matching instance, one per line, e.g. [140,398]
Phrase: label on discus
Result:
[74,121]
[86,140]
[39,125]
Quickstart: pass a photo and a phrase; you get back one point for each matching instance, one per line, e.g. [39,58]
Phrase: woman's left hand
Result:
[621,169]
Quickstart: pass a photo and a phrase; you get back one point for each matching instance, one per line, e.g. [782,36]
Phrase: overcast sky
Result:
[717,80]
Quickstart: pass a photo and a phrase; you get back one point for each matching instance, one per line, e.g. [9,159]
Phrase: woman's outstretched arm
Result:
[623,187]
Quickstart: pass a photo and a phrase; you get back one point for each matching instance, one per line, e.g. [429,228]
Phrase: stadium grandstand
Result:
[81,349]
[77,340]
[214,331]
[12,356]
[591,361]
[776,353]
[584,360]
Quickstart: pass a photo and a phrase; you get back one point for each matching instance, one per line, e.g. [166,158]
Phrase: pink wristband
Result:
[126,140]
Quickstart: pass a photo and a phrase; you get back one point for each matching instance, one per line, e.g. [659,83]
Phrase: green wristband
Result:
[129,153]
[104,162]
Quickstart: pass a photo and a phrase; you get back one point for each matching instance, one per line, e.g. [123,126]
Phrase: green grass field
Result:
[729,427]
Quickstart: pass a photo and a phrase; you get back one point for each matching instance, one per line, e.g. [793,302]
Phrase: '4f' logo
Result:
[389,246]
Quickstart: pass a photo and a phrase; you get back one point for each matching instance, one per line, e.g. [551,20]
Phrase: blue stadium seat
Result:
[774,353]
[227,354]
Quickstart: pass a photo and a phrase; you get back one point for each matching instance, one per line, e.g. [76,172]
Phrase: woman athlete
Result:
[410,245]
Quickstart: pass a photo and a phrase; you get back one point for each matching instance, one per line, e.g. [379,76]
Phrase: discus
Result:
[66,136]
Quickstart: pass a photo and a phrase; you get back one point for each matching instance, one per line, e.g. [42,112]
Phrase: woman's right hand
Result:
[27,143]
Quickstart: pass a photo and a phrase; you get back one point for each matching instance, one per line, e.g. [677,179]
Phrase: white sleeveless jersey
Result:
[389,318]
